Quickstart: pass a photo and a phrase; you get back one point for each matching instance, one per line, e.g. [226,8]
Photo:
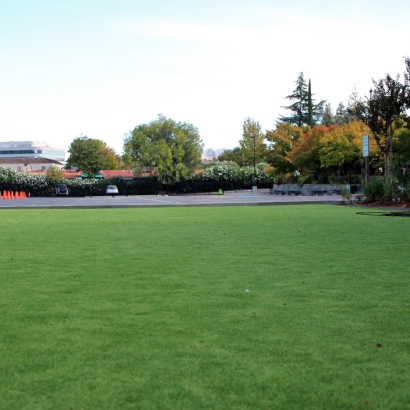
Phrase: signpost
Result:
[366,156]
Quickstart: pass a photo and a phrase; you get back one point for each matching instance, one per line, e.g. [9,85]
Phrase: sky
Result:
[101,67]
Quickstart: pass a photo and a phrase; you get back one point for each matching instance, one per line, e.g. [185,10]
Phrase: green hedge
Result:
[37,185]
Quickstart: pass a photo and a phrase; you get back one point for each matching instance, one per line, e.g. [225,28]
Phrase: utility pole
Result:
[254,187]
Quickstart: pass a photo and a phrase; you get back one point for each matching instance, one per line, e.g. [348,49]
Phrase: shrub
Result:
[227,171]
[248,174]
[346,195]
[377,189]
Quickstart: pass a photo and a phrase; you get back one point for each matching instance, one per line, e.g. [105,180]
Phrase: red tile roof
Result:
[112,173]
[72,174]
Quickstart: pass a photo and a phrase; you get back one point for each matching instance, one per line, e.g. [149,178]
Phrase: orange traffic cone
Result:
[17,195]
[23,195]
[7,195]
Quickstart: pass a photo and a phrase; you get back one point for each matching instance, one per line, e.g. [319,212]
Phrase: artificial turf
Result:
[284,307]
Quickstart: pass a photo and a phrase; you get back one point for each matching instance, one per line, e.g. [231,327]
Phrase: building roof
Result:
[72,174]
[106,173]
[23,160]
[112,173]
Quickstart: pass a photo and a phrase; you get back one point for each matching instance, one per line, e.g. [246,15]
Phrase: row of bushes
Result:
[225,175]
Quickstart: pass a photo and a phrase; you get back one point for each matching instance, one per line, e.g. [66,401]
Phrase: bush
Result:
[226,171]
[263,178]
[346,195]
[377,189]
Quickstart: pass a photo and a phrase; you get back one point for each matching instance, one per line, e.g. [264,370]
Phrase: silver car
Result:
[112,190]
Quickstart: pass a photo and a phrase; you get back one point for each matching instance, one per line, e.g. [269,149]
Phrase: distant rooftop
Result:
[31,149]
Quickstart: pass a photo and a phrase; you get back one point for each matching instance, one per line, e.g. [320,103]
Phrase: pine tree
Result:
[341,116]
[352,102]
[298,108]
[327,117]
[305,111]
[310,106]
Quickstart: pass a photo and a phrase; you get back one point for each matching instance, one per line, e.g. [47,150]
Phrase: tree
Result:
[110,158]
[170,149]
[281,142]
[341,116]
[87,153]
[252,140]
[236,155]
[352,102]
[309,106]
[328,118]
[305,155]
[383,111]
[343,145]
[407,90]
[305,111]
[54,175]
[401,139]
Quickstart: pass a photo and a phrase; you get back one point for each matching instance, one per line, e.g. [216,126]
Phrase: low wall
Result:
[308,189]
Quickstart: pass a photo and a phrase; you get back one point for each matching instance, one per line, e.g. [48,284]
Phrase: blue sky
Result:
[102,67]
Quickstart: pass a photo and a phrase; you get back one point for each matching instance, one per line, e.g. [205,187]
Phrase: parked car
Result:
[112,190]
[62,189]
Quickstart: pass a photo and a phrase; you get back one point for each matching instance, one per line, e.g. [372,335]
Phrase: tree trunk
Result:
[389,162]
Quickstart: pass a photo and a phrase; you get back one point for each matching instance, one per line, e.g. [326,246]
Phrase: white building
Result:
[31,149]
[30,164]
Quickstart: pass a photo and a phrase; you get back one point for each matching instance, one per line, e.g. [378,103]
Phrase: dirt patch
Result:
[402,204]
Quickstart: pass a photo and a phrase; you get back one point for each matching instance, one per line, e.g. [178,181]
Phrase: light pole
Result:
[254,187]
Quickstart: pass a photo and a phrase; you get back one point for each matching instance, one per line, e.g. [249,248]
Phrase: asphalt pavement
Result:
[239,198]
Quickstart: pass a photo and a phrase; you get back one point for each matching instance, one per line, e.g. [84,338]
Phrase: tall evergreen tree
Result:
[304,110]
[298,108]
[352,102]
[327,117]
[341,116]
[310,105]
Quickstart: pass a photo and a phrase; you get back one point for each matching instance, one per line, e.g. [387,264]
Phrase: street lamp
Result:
[254,187]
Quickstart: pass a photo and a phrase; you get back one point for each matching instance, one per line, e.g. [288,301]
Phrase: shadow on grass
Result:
[403,213]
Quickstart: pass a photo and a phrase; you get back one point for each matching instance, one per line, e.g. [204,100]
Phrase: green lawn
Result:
[149,308]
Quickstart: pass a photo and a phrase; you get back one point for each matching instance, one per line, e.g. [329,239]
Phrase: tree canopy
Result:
[168,148]
[281,142]
[303,110]
[87,153]
[384,111]
[54,175]
[236,155]
[252,140]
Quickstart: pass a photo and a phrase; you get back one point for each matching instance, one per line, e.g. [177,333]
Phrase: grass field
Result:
[204,308]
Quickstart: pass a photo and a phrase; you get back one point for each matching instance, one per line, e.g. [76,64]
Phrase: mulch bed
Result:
[404,203]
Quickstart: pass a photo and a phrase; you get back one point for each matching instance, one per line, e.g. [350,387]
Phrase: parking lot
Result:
[263,197]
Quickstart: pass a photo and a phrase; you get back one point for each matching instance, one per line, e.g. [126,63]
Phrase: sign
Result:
[365,145]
